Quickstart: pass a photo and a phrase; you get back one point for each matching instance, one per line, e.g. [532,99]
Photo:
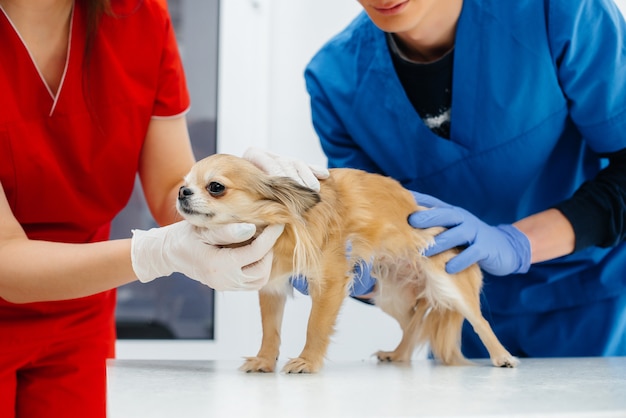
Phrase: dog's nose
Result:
[184,192]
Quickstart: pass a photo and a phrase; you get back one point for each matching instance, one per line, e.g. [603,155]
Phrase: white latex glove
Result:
[180,247]
[276,165]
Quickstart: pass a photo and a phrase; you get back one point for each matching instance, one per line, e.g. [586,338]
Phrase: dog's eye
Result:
[216,189]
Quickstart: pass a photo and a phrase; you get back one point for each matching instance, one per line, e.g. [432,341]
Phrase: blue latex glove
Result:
[499,250]
[362,283]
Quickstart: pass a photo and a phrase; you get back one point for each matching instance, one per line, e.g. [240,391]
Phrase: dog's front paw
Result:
[392,356]
[300,365]
[258,365]
[505,361]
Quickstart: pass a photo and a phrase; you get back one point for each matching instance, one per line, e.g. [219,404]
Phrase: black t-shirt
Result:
[597,211]
[428,88]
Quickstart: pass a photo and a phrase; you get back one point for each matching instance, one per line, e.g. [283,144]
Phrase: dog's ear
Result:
[292,194]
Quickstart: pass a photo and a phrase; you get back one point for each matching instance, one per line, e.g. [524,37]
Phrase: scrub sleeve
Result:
[68,166]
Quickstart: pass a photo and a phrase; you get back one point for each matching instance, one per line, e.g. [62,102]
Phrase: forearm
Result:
[166,213]
[550,235]
[166,158]
[595,215]
[33,271]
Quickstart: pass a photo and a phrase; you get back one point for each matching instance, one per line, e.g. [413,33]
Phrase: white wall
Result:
[264,47]
[267,104]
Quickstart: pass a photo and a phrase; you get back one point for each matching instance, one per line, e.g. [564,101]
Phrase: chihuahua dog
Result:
[370,212]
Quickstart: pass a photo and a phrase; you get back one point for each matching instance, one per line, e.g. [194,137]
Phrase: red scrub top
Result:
[68,162]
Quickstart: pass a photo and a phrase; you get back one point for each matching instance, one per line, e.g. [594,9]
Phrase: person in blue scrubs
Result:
[509,120]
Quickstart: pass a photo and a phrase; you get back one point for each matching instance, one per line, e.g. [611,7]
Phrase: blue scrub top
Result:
[539,90]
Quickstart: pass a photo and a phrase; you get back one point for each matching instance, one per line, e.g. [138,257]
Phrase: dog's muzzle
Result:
[184,199]
[184,192]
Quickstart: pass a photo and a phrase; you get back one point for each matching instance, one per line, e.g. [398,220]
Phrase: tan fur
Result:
[371,212]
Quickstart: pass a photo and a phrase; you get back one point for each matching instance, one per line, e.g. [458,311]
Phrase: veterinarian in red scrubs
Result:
[88,100]
[510,117]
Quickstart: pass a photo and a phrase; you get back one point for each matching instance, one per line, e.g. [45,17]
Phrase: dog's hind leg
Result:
[410,322]
[442,328]
[468,283]
[272,309]
[500,357]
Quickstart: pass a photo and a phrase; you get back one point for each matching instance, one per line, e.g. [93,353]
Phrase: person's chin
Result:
[391,20]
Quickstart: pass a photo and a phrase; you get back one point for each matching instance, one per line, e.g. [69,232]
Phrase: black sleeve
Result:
[597,211]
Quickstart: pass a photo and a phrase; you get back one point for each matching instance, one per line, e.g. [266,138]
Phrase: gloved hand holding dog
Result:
[362,283]
[277,165]
[499,250]
[182,248]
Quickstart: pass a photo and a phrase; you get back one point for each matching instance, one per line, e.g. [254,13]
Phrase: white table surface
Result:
[578,387]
